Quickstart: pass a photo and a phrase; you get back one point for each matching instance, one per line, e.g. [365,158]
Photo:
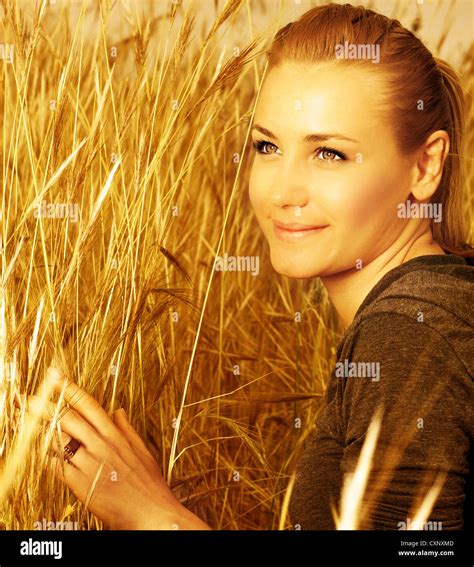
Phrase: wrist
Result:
[176,517]
[183,519]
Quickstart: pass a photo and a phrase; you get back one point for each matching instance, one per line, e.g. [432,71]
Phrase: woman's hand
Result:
[129,491]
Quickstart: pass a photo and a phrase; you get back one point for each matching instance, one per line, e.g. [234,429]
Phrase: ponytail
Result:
[451,234]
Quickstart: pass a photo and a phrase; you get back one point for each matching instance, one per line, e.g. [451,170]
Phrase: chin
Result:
[296,271]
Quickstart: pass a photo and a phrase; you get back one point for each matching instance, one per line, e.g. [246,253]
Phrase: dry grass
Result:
[152,145]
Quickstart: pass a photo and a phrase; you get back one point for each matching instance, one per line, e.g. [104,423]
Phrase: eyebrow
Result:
[309,138]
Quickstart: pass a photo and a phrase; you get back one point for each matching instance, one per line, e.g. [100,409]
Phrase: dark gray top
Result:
[417,324]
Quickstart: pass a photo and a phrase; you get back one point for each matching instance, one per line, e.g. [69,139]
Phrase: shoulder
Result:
[405,366]
[441,291]
[428,306]
[405,342]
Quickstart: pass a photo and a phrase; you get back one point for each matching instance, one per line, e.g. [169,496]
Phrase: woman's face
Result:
[351,189]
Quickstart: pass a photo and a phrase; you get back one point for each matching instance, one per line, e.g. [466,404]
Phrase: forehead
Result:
[296,98]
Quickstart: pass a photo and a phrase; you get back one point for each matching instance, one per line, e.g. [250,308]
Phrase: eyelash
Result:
[260,144]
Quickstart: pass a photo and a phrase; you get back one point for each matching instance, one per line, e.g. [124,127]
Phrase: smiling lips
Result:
[294,231]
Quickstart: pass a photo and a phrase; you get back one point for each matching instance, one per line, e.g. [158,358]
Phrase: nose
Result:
[288,194]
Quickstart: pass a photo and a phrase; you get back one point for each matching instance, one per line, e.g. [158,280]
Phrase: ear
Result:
[429,165]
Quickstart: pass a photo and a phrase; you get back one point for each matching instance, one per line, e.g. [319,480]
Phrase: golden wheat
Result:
[145,137]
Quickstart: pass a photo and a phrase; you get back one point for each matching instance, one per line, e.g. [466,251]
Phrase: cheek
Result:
[258,193]
[363,199]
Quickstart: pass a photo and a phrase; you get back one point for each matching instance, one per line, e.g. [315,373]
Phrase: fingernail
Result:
[124,413]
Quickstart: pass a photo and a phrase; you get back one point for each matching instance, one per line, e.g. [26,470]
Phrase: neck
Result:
[348,289]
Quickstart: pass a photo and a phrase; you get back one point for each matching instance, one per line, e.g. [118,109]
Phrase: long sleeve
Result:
[427,398]
[318,480]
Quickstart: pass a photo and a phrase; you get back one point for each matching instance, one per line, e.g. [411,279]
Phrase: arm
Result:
[180,518]
[318,478]
[427,398]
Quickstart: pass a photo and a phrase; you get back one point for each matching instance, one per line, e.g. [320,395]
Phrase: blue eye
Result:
[334,155]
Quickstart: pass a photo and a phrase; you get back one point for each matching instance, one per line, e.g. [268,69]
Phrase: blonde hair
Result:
[412,75]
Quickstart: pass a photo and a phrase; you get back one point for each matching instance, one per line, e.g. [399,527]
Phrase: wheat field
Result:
[140,140]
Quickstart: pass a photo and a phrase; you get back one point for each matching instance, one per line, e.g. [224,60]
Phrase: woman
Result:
[357,130]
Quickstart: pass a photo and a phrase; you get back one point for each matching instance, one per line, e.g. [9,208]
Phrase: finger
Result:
[87,406]
[72,476]
[135,441]
[121,421]
[56,467]
[72,424]
[81,458]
